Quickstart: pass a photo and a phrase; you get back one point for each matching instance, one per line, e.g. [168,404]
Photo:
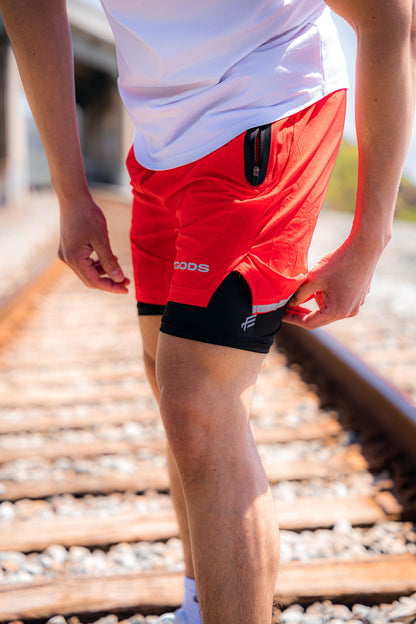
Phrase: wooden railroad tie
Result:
[54,448]
[304,513]
[147,476]
[380,578]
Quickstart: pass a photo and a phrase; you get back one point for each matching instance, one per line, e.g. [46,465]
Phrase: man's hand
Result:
[339,283]
[84,231]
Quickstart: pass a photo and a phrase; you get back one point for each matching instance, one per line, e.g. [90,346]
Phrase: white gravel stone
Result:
[77,553]
[57,552]
[7,511]
[361,610]
[404,608]
[93,506]
[133,557]
[292,614]
[33,567]
[343,527]
[11,555]
[57,619]
[23,577]
[108,619]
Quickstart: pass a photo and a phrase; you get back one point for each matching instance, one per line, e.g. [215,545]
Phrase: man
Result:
[238,108]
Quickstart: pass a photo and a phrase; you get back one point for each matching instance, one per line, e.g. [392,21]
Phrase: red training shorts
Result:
[250,206]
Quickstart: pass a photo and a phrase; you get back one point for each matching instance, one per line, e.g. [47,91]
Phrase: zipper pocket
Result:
[257,142]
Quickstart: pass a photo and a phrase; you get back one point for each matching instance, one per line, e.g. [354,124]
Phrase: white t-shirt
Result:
[194,74]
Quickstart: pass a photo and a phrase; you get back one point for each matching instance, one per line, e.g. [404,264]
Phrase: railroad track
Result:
[87,528]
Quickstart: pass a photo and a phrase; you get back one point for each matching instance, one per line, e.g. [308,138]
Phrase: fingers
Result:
[104,283]
[107,264]
[328,310]
[308,319]
[97,266]
[305,317]
[94,274]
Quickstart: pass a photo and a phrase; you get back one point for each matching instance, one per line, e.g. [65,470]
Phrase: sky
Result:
[347,38]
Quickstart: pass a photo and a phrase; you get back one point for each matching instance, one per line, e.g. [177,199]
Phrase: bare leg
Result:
[205,395]
[149,327]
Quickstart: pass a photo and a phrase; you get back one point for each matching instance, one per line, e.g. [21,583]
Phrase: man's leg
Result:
[149,327]
[205,395]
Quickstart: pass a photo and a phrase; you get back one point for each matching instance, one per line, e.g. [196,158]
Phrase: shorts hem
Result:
[150,309]
[223,340]
[150,297]
[190,296]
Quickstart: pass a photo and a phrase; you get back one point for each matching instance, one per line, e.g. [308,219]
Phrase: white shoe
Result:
[178,617]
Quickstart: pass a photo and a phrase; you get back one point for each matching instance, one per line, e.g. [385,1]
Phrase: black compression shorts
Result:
[227,320]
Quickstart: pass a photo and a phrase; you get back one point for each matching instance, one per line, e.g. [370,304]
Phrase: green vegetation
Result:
[341,192]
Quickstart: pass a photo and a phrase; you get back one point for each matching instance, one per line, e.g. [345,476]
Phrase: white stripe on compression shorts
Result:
[270,307]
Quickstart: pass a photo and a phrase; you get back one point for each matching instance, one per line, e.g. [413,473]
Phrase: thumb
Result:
[109,261]
[304,293]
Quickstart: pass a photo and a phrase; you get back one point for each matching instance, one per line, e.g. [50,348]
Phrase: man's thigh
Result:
[213,382]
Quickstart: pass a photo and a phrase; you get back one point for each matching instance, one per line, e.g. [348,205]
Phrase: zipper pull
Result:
[256,174]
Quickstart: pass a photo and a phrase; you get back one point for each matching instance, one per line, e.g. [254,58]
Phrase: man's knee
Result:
[203,425]
[186,413]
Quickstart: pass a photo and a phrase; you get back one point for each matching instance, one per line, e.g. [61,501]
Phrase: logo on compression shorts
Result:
[191,266]
[249,322]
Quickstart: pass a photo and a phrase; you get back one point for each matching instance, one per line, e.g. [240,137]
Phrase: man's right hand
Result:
[83,232]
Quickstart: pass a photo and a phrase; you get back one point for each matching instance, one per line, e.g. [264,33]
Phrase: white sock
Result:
[190,605]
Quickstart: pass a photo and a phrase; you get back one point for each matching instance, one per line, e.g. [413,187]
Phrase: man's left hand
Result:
[339,284]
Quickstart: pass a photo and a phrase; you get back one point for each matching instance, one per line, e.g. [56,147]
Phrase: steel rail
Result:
[355,382]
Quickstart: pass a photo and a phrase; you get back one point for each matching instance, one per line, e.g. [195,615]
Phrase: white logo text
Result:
[191,266]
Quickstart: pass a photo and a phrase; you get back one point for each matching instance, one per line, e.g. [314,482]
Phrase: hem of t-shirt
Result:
[266,116]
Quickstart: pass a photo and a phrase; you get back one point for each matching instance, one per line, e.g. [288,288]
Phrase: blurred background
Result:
[384,333]
[104,126]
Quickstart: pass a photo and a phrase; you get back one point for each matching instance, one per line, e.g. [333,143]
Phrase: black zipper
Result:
[257,143]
